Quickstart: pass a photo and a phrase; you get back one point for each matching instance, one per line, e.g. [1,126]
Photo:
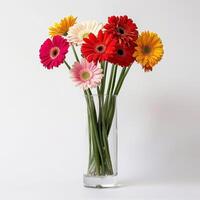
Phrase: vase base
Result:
[100,181]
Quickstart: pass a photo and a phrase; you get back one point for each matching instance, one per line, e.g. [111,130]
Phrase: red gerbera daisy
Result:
[98,48]
[123,55]
[123,28]
[52,52]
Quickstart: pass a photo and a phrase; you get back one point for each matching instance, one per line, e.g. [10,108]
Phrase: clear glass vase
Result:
[101,146]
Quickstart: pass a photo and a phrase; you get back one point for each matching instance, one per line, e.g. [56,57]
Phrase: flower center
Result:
[85,75]
[146,50]
[120,30]
[120,52]
[100,48]
[65,33]
[85,35]
[54,52]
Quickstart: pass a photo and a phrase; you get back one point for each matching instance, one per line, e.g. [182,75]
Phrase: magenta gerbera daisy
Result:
[86,74]
[52,52]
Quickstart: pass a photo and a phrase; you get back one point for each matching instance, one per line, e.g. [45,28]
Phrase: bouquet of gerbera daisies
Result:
[107,53]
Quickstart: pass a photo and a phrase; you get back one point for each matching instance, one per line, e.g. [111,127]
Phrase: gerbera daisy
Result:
[123,55]
[149,50]
[123,28]
[82,30]
[98,48]
[86,74]
[52,52]
[62,27]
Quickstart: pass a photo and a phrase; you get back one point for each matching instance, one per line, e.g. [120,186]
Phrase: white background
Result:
[41,112]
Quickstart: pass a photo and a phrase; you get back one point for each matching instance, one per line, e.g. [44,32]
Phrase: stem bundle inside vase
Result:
[100,118]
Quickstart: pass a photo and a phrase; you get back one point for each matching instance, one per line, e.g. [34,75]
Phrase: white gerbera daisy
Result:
[82,30]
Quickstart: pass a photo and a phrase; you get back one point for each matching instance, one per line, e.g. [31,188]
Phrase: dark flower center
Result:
[65,34]
[146,49]
[120,30]
[120,52]
[54,52]
[100,48]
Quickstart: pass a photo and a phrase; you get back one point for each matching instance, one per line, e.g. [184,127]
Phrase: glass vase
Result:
[101,145]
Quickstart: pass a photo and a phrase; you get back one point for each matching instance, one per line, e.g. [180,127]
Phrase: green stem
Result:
[91,127]
[90,141]
[68,66]
[111,79]
[109,97]
[109,88]
[114,78]
[75,54]
[95,128]
[111,114]
[100,128]
[103,134]
[106,146]
[121,80]
[105,67]
[112,103]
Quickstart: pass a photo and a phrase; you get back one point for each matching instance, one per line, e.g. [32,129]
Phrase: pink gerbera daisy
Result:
[52,52]
[86,74]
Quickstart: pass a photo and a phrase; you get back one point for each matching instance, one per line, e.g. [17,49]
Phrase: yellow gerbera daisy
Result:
[149,50]
[63,26]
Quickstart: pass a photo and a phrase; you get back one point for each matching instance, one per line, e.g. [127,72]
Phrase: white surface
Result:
[41,121]
[74,190]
